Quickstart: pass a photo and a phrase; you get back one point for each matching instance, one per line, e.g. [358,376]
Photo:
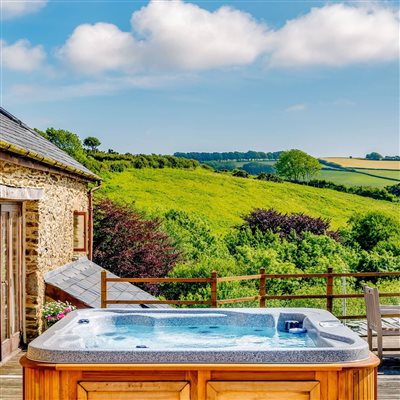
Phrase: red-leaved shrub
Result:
[129,245]
[287,225]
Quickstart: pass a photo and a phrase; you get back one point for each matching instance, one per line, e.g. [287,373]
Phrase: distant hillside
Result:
[222,199]
[332,171]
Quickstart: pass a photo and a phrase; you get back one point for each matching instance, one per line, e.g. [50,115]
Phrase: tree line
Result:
[87,153]
[294,165]
[377,156]
[230,155]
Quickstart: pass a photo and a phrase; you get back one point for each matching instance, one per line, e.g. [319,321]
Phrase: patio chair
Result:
[374,318]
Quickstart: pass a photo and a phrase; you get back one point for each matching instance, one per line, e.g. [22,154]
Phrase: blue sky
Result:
[166,76]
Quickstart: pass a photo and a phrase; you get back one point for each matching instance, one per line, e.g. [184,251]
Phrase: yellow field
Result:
[362,163]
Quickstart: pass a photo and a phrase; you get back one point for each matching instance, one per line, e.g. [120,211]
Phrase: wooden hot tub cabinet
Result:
[347,381]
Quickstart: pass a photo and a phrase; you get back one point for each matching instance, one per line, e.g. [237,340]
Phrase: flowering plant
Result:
[56,310]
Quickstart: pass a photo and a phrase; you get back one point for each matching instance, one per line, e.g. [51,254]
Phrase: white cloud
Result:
[173,34]
[185,36]
[21,56]
[16,8]
[100,47]
[297,107]
[337,35]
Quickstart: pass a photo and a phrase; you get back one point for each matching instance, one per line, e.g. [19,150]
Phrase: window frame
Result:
[77,214]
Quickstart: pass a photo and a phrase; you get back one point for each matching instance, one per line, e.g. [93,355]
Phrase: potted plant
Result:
[54,311]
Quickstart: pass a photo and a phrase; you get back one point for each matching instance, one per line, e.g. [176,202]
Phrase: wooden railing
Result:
[262,296]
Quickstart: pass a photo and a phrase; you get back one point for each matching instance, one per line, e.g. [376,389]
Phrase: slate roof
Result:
[18,138]
[81,280]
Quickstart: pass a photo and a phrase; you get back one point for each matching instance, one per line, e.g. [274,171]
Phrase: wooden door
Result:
[11,277]
[133,390]
[282,390]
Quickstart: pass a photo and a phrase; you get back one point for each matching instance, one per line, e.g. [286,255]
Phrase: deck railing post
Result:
[263,290]
[329,290]
[214,289]
[103,301]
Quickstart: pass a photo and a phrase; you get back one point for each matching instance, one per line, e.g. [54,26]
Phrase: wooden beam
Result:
[160,280]
[29,163]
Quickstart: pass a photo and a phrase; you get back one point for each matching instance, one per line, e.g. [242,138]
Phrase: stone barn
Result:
[45,209]
[45,233]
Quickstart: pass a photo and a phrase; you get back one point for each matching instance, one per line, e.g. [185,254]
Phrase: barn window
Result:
[80,231]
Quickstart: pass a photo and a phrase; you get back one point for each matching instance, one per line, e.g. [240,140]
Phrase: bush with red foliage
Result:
[130,246]
[287,225]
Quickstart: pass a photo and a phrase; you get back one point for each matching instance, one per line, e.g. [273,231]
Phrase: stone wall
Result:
[48,229]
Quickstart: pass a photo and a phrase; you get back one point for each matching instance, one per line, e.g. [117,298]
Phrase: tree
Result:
[374,156]
[130,246]
[297,165]
[92,143]
[67,141]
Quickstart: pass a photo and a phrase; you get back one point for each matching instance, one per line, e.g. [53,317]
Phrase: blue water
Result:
[169,337]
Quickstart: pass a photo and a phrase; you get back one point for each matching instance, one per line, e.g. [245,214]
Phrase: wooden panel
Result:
[192,377]
[140,390]
[358,384]
[203,378]
[364,384]
[263,376]
[134,375]
[351,381]
[277,390]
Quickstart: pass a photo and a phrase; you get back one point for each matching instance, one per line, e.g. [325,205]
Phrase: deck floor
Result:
[388,379]
[11,379]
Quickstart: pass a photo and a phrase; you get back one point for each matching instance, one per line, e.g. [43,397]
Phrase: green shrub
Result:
[263,176]
[240,173]
[367,230]
[117,167]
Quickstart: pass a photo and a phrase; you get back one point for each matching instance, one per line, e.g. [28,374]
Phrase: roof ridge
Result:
[11,116]
[19,138]
[18,121]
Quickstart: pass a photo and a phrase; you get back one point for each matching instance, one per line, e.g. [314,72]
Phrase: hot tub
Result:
[200,354]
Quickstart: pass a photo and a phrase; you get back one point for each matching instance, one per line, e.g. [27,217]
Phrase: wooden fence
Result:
[262,296]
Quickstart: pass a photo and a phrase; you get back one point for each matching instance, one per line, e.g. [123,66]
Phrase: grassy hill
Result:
[222,199]
[350,178]
[363,172]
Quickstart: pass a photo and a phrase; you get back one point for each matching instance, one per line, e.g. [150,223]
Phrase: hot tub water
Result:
[195,336]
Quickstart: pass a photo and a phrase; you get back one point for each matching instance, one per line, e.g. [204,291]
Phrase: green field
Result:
[222,199]
[266,162]
[384,173]
[349,178]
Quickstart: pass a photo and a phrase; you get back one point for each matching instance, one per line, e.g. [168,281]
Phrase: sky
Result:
[164,76]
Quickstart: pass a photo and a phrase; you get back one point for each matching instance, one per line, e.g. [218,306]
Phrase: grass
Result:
[384,173]
[222,199]
[362,163]
[349,178]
